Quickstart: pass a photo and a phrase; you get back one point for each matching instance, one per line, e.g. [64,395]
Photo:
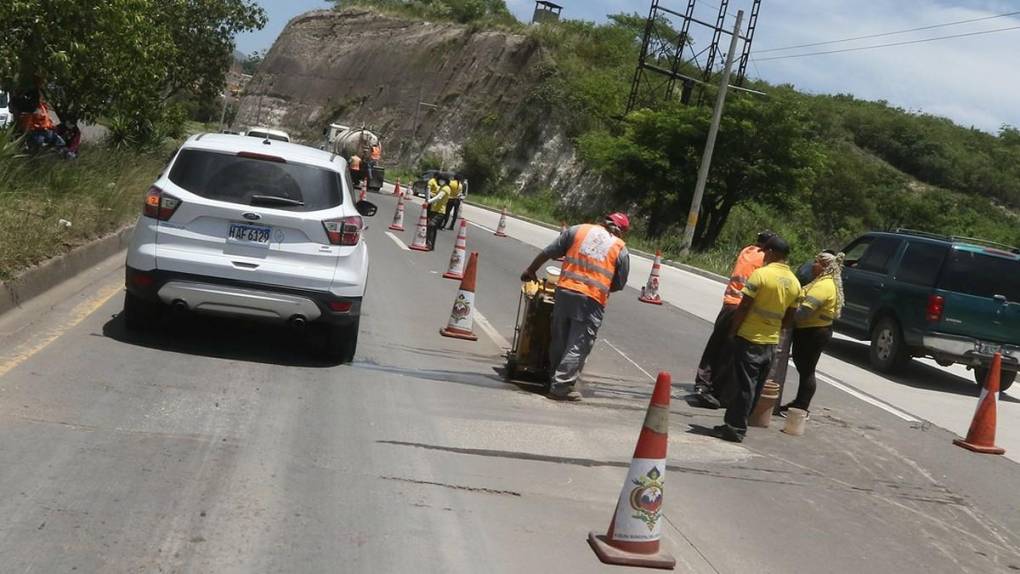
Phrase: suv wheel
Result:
[888,353]
[139,314]
[1006,378]
[342,342]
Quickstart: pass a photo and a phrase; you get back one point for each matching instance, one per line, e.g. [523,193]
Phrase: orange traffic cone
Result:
[396,187]
[420,242]
[456,270]
[634,532]
[462,316]
[364,189]
[981,436]
[398,216]
[650,292]
[501,228]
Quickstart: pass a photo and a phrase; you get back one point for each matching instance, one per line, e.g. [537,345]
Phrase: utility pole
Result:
[417,112]
[713,131]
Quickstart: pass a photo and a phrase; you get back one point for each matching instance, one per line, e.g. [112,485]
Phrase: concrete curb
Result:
[682,266]
[52,272]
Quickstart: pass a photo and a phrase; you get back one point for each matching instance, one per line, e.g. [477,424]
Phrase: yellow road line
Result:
[23,352]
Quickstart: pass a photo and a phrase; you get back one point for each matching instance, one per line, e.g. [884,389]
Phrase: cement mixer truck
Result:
[347,142]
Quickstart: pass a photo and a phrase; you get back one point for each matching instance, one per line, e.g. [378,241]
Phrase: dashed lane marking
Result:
[80,312]
[398,241]
[479,225]
[491,331]
[631,361]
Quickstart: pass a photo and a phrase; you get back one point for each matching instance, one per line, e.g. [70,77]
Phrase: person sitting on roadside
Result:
[71,134]
[821,304]
[38,126]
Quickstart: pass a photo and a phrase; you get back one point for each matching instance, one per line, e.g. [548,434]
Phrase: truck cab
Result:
[916,294]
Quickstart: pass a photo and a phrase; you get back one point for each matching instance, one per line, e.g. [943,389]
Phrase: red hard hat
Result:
[620,219]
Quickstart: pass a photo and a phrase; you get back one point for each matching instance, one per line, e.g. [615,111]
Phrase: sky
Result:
[972,80]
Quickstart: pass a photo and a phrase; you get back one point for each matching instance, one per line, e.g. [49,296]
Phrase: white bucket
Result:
[795,419]
[552,275]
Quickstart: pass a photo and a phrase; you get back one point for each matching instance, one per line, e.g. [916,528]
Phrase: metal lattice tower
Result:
[668,55]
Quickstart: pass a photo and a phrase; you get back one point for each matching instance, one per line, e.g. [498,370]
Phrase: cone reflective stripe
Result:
[650,292]
[398,216]
[420,242]
[501,228]
[981,436]
[461,322]
[457,258]
[396,187]
[635,530]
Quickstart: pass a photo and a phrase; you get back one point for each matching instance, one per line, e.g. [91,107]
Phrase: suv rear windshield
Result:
[981,275]
[236,179]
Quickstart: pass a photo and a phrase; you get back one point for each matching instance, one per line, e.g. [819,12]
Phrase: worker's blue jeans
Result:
[572,341]
[751,362]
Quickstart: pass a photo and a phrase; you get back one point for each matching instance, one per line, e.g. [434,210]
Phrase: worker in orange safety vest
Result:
[595,263]
[710,385]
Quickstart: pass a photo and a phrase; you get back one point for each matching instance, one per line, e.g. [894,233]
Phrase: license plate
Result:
[248,234]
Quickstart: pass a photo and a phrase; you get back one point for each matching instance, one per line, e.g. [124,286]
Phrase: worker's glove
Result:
[528,275]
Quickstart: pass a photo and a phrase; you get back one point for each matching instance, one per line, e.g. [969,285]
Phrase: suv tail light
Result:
[936,305]
[159,204]
[344,230]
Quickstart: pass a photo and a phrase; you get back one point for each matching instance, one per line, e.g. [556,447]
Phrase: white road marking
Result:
[491,331]
[624,355]
[870,400]
[489,229]
[398,241]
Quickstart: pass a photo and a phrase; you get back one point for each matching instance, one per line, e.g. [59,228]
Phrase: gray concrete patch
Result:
[52,272]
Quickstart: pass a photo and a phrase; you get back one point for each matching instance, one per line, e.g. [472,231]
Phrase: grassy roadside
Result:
[544,208]
[49,206]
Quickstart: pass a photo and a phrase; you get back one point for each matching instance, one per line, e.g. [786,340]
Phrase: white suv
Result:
[253,228]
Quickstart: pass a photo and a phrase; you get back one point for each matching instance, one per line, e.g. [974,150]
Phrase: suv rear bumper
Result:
[217,296]
[965,350]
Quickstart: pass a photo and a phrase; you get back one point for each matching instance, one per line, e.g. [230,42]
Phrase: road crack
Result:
[454,486]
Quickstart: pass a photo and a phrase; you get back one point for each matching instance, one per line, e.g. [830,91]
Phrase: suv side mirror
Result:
[366,208]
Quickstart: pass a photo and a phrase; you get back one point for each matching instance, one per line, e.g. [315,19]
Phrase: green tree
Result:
[764,153]
[121,58]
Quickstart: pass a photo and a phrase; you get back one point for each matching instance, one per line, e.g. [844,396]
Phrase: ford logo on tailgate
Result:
[252,216]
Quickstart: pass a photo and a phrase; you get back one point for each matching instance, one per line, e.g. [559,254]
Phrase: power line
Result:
[894,33]
[904,43]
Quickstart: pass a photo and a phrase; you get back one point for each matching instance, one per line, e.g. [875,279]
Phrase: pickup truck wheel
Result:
[1006,378]
[342,342]
[888,353]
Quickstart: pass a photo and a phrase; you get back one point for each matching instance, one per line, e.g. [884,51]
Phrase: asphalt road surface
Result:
[216,446]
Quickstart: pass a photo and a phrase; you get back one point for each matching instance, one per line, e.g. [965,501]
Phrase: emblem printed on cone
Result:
[461,323]
[981,435]
[420,242]
[650,292]
[501,228]
[634,533]
[456,269]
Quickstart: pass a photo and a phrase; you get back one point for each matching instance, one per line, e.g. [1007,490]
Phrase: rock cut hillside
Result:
[360,67]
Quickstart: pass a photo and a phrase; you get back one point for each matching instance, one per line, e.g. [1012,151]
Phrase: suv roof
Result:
[230,143]
[954,240]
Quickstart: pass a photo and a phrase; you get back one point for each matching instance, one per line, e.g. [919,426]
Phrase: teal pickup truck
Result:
[916,294]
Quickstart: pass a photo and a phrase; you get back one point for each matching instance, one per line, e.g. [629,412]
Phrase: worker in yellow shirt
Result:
[821,304]
[437,212]
[433,185]
[456,195]
[769,302]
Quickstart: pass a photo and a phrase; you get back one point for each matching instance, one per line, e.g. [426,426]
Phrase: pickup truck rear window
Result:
[227,177]
[981,275]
